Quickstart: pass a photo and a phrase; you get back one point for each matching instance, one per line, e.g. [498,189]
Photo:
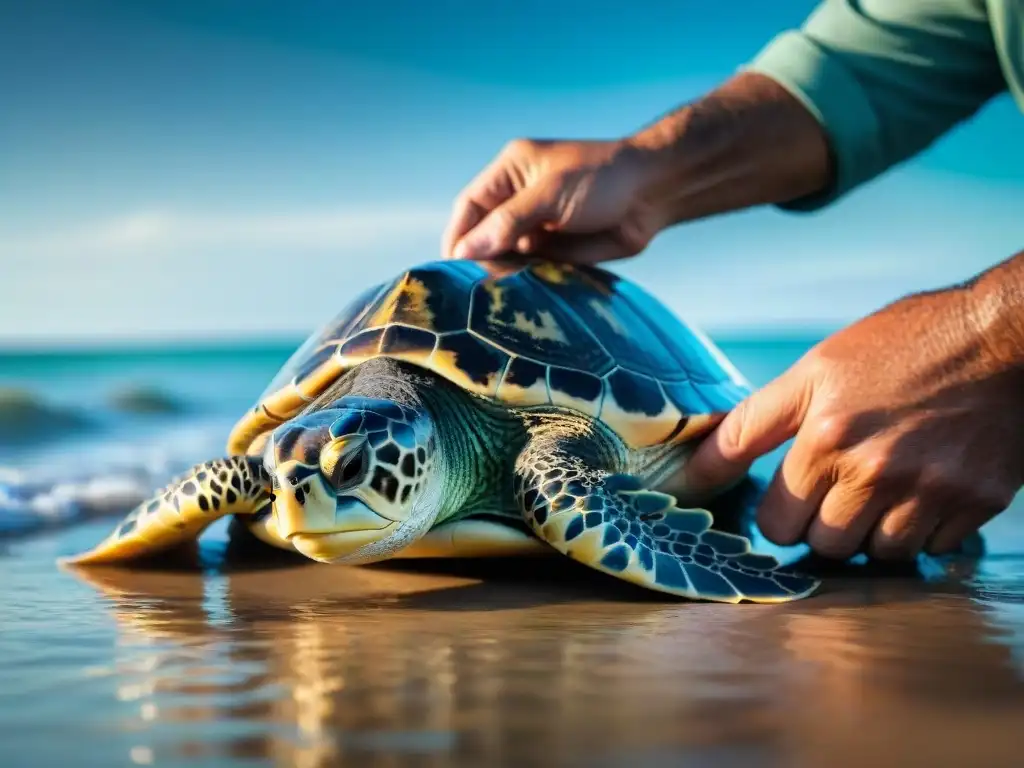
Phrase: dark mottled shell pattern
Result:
[580,337]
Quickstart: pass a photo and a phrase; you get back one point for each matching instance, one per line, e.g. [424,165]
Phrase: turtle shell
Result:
[525,335]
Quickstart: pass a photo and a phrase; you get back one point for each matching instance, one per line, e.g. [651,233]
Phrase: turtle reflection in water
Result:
[470,410]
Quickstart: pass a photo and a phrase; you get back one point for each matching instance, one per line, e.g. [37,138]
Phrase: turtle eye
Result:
[343,461]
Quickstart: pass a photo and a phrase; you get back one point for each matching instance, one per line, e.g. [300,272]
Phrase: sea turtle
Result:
[469,409]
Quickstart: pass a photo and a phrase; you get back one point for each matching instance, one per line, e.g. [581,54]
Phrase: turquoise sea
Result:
[84,431]
[292,663]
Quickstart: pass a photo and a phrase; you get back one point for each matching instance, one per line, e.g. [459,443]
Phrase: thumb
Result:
[500,230]
[759,424]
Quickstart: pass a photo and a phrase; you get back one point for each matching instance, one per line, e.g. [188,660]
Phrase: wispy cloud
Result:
[161,229]
[165,272]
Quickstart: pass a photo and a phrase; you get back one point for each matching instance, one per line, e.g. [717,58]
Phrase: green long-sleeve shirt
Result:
[885,78]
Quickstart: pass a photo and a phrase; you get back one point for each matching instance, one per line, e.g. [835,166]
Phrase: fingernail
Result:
[478,247]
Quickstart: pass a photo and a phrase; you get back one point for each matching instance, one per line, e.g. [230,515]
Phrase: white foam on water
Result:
[108,477]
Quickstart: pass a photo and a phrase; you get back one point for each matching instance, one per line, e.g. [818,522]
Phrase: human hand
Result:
[909,434]
[581,199]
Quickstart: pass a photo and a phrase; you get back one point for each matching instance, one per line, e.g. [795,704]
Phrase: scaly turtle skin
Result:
[473,410]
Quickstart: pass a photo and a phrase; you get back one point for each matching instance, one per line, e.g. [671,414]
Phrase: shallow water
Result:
[231,658]
[278,662]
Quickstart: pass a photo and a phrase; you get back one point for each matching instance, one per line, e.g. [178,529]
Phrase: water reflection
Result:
[313,666]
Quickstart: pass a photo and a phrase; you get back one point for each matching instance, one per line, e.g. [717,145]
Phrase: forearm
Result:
[996,301]
[746,143]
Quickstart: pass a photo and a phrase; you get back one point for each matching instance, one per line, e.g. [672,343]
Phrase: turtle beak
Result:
[316,522]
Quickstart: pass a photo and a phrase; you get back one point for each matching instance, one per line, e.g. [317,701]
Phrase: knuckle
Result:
[940,481]
[872,465]
[899,535]
[833,533]
[504,220]
[831,432]
[732,437]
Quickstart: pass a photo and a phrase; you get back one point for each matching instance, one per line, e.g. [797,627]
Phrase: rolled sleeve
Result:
[884,79]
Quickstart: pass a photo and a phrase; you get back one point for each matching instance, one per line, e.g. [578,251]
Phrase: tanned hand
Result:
[908,426]
[746,143]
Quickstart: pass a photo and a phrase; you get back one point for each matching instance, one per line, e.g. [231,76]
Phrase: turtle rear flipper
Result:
[610,522]
[239,485]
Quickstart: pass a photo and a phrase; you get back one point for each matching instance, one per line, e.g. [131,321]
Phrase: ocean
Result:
[85,432]
[295,663]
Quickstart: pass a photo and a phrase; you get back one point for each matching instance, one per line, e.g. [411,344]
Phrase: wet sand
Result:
[231,659]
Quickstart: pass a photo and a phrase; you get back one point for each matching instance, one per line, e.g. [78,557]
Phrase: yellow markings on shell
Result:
[513,394]
[563,399]
[310,387]
[497,302]
[280,406]
[596,285]
[698,425]
[248,428]
[545,328]
[419,356]
[443,362]
[602,311]
[258,443]
[551,272]
[638,429]
[409,300]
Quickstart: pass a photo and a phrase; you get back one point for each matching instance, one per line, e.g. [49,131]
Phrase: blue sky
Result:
[182,168]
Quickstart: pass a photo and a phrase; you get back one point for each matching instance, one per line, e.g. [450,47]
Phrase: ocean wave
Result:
[27,507]
[107,480]
[28,418]
[25,417]
[145,399]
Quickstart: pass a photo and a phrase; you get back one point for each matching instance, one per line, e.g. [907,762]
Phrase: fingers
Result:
[492,187]
[466,214]
[953,529]
[793,497]
[904,530]
[863,500]
[759,424]
[500,230]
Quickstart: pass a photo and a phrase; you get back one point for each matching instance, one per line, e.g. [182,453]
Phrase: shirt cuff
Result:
[832,94]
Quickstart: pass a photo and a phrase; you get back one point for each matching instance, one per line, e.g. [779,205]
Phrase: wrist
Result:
[995,312]
[747,143]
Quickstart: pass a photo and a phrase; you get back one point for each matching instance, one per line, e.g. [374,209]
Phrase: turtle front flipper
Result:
[611,523]
[239,485]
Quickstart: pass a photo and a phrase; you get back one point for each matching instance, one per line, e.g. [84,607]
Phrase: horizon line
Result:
[184,343]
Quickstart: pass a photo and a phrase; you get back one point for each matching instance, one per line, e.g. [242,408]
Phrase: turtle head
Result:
[356,481]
